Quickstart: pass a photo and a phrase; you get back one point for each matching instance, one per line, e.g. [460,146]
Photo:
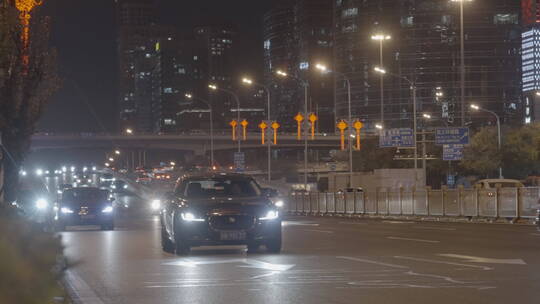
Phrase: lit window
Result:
[267,44]
[195,58]
[169,122]
[167,90]
[350,12]
[351,28]
[304,65]
[506,19]
[407,21]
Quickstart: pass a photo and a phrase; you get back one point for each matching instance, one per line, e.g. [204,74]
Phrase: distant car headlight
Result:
[113,186]
[66,210]
[42,203]
[156,204]
[279,204]
[190,217]
[125,186]
[270,215]
[59,191]
[107,209]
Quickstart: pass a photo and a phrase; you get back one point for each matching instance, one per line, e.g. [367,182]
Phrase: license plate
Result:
[233,235]
[88,217]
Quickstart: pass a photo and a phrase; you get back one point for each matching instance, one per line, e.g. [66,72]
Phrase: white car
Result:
[495,183]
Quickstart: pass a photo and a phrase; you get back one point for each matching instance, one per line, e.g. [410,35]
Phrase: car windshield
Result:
[84,194]
[220,187]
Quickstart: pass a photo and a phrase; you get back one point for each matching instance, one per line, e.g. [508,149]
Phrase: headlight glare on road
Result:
[270,215]
[190,217]
[156,204]
[66,210]
[41,203]
[107,209]
[279,204]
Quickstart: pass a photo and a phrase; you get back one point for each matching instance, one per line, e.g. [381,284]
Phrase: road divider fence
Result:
[509,203]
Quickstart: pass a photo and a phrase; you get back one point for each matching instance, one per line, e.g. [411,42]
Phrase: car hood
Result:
[76,204]
[227,206]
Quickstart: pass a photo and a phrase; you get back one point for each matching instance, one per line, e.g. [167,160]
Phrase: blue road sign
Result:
[453,152]
[239,161]
[452,136]
[398,138]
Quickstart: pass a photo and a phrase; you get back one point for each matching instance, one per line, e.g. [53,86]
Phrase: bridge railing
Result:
[509,203]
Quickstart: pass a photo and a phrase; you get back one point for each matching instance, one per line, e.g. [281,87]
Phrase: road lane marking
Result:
[442,262]
[79,290]
[397,222]
[321,231]
[413,240]
[347,223]
[288,223]
[248,263]
[264,275]
[436,228]
[371,262]
[473,259]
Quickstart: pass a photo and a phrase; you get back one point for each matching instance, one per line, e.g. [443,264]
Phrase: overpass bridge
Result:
[198,143]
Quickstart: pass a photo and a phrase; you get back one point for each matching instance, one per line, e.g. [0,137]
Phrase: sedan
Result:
[86,206]
[219,209]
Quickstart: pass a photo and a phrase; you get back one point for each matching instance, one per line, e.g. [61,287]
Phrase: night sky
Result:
[83,33]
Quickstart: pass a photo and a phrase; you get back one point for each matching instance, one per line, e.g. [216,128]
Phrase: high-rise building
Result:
[281,53]
[137,35]
[531,60]
[425,48]
[297,35]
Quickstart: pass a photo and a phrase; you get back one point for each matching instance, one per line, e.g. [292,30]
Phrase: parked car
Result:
[219,209]
[143,179]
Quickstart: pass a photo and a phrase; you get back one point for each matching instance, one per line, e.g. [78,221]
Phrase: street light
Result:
[248,81]
[214,87]
[478,108]
[129,131]
[426,116]
[413,88]
[117,152]
[379,126]
[324,69]
[462,55]
[190,96]
[111,159]
[381,38]
[305,84]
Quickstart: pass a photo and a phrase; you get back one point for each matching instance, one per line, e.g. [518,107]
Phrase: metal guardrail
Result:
[512,203]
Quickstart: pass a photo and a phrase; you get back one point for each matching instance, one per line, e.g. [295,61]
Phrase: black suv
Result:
[86,206]
[219,209]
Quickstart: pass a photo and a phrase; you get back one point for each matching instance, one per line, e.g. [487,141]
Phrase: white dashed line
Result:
[413,240]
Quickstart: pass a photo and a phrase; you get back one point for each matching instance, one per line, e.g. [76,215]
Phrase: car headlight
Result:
[156,204]
[113,187]
[59,191]
[66,210]
[190,217]
[41,204]
[107,209]
[270,215]
[125,186]
[279,204]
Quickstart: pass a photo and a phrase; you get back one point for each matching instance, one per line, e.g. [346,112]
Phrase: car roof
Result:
[498,180]
[215,175]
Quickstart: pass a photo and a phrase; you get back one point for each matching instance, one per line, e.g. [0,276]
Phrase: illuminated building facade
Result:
[530,56]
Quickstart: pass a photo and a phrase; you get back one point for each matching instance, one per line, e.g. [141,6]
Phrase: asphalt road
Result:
[325,260]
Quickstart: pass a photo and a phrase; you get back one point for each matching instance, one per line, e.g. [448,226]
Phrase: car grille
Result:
[232,222]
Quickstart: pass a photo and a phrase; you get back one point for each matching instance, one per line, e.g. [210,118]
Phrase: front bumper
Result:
[203,234]
[83,220]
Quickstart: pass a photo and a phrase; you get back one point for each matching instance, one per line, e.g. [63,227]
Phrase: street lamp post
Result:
[305,84]
[462,55]
[323,69]
[499,136]
[216,88]
[248,81]
[413,88]
[190,96]
[381,38]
